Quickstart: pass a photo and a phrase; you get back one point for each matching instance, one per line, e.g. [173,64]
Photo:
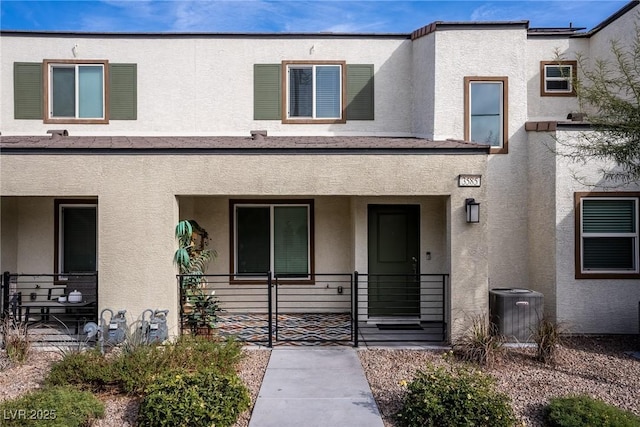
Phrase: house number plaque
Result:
[469,180]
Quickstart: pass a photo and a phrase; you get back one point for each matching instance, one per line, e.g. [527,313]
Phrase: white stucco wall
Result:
[423,76]
[204,85]
[491,52]
[553,108]
[542,218]
[588,305]
[141,198]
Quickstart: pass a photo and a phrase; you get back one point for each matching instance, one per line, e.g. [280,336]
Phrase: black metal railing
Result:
[340,308]
[318,309]
[67,300]
[401,307]
[242,305]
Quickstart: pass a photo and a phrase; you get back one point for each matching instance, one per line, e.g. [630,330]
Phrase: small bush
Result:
[454,396]
[87,370]
[584,411]
[480,343]
[15,340]
[203,398]
[132,371]
[53,407]
[547,336]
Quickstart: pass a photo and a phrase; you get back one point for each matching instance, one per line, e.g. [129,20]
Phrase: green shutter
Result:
[27,90]
[123,95]
[267,89]
[360,101]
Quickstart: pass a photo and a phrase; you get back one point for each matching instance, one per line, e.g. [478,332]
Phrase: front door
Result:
[394,246]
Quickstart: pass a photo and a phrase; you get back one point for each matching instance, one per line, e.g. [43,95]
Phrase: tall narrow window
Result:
[76,92]
[314,92]
[273,237]
[77,237]
[608,235]
[486,111]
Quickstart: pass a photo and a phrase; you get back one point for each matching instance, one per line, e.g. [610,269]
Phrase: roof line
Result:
[246,151]
[626,8]
[10,32]
[437,25]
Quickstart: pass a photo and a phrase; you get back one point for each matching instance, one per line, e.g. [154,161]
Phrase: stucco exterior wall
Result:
[506,207]
[588,305]
[141,198]
[542,218]
[621,30]
[204,85]
[424,85]
[543,108]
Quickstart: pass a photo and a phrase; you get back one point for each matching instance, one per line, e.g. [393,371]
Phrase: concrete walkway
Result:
[311,387]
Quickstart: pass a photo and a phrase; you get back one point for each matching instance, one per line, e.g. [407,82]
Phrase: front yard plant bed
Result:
[597,366]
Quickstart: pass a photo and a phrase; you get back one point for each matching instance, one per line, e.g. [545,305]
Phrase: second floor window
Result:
[76,92]
[314,92]
[557,78]
[486,111]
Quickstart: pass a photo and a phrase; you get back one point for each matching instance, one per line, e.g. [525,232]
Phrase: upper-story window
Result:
[557,77]
[76,91]
[314,92]
[607,235]
[486,111]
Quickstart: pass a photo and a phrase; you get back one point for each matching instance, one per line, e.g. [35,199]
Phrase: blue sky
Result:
[382,16]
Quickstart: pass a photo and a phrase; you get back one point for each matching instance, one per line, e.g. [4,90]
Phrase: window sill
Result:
[562,94]
[313,121]
[77,121]
[617,276]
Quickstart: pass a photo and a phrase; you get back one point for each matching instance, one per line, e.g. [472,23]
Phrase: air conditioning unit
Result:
[515,312]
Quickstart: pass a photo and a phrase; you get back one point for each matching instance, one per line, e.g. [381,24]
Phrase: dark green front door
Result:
[394,246]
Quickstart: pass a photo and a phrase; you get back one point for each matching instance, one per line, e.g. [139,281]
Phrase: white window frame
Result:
[287,66]
[60,224]
[570,91]
[271,207]
[634,236]
[75,64]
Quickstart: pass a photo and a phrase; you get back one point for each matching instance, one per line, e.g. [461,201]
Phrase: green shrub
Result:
[583,411]
[52,407]
[132,371]
[454,396]
[87,370]
[203,398]
[480,343]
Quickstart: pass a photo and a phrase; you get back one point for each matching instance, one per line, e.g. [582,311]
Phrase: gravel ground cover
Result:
[597,366]
[120,411]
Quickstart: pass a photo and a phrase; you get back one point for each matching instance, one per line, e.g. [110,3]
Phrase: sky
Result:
[281,16]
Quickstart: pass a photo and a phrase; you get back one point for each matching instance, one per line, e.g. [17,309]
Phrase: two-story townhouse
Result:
[304,155]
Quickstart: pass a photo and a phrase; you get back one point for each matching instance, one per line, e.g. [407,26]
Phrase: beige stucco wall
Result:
[588,305]
[424,85]
[204,85]
[141,198]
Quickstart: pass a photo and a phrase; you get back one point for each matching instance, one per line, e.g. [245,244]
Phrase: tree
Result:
[608,91]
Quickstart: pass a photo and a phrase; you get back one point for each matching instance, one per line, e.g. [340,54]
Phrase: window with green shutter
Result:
[608,235]
[313,92]
[75,91]
[273,236]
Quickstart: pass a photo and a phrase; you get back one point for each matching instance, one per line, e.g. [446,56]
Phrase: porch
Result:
[54,307]
[329,309]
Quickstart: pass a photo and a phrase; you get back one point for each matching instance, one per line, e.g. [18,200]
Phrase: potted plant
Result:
[199,307]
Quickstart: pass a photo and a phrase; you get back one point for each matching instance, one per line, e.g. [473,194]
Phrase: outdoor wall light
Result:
[473,210]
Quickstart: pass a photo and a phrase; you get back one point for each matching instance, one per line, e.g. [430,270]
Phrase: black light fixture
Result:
[473,210]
